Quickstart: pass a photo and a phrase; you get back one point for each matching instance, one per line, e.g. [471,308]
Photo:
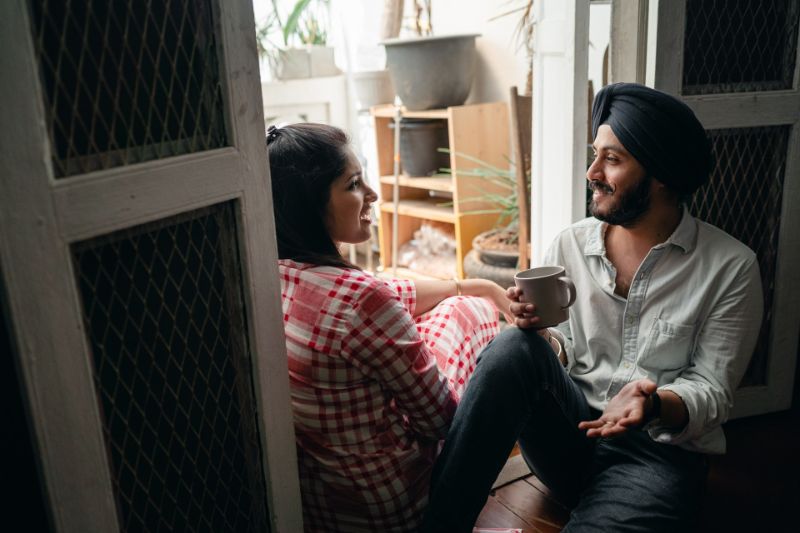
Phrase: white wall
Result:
[599,35]
[500,64]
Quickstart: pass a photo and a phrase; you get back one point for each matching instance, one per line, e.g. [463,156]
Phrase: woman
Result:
[376,366]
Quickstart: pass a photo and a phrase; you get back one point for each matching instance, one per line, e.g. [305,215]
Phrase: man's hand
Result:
[625,410]
[524,313]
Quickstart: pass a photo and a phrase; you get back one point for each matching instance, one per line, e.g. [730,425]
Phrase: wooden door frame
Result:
[41,217]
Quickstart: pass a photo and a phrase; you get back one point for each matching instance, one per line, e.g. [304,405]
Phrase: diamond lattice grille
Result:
[743,197]
[739,45]
[163,311]
[126,82]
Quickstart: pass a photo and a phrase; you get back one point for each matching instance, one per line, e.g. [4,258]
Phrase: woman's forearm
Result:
[431,292]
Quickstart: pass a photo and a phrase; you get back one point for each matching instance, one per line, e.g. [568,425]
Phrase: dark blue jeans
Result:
[520,392]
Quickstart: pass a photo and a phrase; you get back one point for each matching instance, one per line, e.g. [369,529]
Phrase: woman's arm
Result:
[431,292]
[384,344]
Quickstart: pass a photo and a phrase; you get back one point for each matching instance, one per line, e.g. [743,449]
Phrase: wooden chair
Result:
[521,107]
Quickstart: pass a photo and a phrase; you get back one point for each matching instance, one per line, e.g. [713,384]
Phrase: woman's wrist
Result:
[475,287]
[458,286]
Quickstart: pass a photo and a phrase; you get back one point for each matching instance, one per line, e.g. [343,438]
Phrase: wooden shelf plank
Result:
[439,182]
[422,209]
[387,111]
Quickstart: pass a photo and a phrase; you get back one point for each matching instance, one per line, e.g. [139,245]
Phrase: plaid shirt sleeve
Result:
[406,290]
[384,344]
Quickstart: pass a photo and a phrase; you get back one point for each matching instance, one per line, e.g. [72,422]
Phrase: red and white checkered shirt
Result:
[373,391]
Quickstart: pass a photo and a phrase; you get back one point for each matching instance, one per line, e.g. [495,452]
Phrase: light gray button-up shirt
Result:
[690,322]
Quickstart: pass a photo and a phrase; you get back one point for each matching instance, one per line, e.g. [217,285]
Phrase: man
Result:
[667,313]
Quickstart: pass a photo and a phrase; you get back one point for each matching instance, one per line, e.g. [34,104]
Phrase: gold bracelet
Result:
[458,286]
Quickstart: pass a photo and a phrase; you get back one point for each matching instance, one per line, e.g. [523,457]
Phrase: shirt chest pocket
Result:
[668,347]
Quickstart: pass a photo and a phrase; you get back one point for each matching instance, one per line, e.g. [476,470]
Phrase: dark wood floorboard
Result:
[754,487]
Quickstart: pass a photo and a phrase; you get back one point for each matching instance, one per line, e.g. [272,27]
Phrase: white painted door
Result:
[139,265]
[736,65]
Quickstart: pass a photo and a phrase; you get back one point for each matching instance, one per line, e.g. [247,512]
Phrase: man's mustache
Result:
[595,185]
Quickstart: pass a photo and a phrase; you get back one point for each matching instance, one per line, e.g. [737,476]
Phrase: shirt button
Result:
[626,364]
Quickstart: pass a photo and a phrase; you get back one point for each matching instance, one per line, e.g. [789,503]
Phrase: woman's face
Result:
[348,216]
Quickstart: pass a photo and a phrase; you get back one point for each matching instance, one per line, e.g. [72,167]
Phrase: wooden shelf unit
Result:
[478,130]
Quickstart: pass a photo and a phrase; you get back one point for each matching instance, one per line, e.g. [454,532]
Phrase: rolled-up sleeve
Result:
[722,353]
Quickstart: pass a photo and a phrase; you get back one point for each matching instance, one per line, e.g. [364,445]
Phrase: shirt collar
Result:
[596,243]
[684,236]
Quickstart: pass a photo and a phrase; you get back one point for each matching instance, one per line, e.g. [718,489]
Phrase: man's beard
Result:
[631,206]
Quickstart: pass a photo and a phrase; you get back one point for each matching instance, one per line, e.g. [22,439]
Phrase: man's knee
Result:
[518,352]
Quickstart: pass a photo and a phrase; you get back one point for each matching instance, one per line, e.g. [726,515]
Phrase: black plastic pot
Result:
[420,140]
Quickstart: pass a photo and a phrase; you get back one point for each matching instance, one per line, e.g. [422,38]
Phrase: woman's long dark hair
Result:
[304,160]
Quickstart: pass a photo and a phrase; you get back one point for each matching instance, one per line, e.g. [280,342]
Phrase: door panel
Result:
[127,84]
[162,305]
[140,264]
[735,64]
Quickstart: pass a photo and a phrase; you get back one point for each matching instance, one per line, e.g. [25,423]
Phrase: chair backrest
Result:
[521,107]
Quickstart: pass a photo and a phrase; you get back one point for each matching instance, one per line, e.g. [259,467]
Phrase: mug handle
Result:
[567,284]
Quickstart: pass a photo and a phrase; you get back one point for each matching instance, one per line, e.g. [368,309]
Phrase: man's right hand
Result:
[524,313]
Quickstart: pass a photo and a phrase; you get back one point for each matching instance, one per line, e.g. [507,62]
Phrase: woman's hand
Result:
[499,297]
[625,410]
[491,291]
[524,313]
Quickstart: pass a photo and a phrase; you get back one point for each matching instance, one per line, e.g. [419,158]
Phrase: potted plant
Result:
[495,252]
[302,51]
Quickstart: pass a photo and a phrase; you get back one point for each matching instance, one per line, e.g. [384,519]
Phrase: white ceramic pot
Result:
[308,62]
[372,87]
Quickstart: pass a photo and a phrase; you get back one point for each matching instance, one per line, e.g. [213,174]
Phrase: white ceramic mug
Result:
[550,290]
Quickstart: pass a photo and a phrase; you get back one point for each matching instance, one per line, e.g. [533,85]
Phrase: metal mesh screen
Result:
[163,312]
[743,197]
[126,82]
[739,45]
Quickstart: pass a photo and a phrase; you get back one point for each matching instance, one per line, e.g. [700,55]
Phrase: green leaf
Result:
[292,23]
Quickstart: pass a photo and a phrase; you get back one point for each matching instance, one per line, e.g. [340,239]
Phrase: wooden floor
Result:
[754,487]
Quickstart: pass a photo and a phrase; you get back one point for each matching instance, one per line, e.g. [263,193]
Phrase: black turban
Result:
[659,130]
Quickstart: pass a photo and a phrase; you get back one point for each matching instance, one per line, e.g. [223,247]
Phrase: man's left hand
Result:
[625,410]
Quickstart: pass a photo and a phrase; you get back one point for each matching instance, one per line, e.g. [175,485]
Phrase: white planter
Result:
[372,88]
[308,62]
